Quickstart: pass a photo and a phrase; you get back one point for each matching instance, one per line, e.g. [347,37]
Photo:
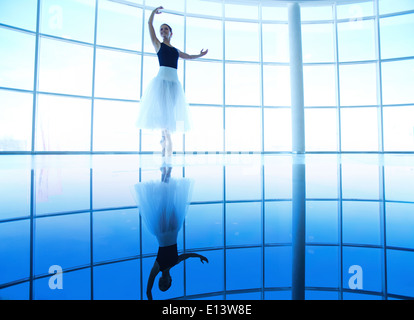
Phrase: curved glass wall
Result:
[72,74]
[241,217]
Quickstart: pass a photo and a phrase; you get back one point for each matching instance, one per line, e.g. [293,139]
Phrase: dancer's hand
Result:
[157,10]
[203,258]
[203,52]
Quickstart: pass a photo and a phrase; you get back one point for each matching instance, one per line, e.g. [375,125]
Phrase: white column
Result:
[296,79]
[298,228]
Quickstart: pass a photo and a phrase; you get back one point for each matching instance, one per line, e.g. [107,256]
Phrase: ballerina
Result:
[163,105]
[163,206]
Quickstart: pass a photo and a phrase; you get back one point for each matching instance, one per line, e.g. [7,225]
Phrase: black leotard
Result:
[168,56]
[167,257]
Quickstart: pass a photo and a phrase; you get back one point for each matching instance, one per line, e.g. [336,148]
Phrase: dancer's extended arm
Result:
[187,56]
[184,256]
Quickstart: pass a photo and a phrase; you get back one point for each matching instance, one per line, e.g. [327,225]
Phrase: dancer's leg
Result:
[163,142]
[166,174]
[168,143]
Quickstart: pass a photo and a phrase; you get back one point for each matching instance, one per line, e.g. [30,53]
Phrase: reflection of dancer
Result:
[163,205]
[163,105]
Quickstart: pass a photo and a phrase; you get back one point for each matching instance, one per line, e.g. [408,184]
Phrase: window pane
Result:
[278,271]
[119,25]
[243,225]
[14,251]
[208,186]
[114,126]
[371,261]
[355,11]
[320,130]
[361,222]
[11,13]
[398,82]
[399,182]
[397,39]
[277,130]
[309,13]
[204,82]
[112,186]
[61,189]
[242,84]
[356,40]
[176,23]
[360,181]
[398,128]
[65,67]
[77,283]
[319,86]
[274,13]
[17,59]
[243,129]
[322,178]
[275,42]
[400,278]
[278,222]
[72,19]
[176,5]
[359,129]
[243,183]
[63,124]
[115,234]
[318,42]
[391,6]
[322,221]
[205,34]
[400,223]
[117,281]
[358,84]
[15,121]
[207,131]
[278,179]
[117,75]
[15,187]
[322,266]
[250,276]
[276,86]
[242,41]
[241,11]
[204,7]
[16,292]
[62,240]
[213,277]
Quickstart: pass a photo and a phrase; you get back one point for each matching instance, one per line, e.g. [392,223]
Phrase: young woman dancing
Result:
[163,105]
[163,206]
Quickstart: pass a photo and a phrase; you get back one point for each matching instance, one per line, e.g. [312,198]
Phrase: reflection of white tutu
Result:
[163,207]
[163,104]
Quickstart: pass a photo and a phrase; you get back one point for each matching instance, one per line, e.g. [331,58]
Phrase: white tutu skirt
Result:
[163,207]
[163,104]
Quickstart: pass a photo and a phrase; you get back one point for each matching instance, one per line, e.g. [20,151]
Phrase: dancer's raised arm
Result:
[154,271]
[155,42]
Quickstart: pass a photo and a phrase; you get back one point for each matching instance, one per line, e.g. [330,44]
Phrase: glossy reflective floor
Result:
[271,226]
